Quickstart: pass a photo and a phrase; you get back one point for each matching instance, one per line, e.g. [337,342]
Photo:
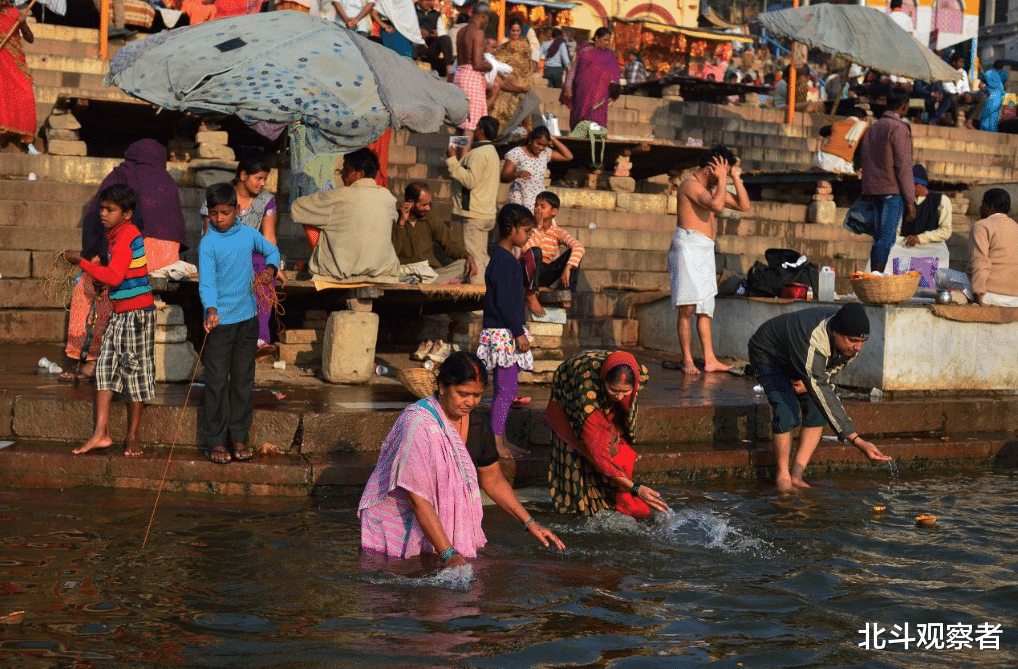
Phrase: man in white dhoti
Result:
[691,257]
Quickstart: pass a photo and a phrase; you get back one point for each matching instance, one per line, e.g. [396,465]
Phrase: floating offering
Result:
[880,509]
[13,618]
[926,520]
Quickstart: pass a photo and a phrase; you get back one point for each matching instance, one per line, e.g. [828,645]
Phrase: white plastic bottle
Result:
[826,284]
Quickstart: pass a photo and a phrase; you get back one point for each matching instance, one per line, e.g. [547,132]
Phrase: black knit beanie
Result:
[851,321]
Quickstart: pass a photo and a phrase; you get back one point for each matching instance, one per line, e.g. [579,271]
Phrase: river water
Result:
[733,577]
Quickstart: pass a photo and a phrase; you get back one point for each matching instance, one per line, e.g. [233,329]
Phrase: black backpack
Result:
[766,280]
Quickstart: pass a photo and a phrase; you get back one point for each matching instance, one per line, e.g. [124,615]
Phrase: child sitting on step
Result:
[231,323]
[542,262]
[126,362]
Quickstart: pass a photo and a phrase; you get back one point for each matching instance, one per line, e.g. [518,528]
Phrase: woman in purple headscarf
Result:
[594,82]
[161,222]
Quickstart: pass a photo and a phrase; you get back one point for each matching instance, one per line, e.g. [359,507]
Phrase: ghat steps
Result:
[627,234]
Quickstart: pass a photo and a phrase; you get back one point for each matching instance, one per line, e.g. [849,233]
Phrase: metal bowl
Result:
[944,297]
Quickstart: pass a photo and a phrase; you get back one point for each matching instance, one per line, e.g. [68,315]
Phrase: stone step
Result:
[45,191]
[33,325]
[61,79]
[50,94]
[42,61]
[593,281]
[27,293]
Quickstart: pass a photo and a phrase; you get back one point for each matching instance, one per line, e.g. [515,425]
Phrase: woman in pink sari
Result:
[424,497]
[595,82]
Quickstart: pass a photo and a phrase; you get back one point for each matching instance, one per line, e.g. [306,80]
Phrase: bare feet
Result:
[799,483]
[715,366]
[689,368]
[535,305]
[93,444]
[132,450]
[784,484]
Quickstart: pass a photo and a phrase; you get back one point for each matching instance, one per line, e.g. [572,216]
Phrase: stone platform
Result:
[325,438]
[910,349]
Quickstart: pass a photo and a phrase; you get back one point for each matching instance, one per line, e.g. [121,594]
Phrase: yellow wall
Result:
[592,14]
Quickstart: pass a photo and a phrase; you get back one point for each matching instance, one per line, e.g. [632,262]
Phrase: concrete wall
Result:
[910,348]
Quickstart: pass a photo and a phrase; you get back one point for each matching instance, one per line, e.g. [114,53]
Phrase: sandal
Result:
[241,453]
[520,402]
[218,455]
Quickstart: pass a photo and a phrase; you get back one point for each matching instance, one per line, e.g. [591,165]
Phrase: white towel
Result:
[497,68]
[693,269]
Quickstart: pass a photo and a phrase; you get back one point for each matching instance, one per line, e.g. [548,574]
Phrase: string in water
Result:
[266,298]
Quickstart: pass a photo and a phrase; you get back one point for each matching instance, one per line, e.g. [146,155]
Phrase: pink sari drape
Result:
[424,455]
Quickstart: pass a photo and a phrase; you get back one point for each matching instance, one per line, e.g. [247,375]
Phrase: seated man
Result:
[543,265]
[838,152]
[926,235]
[356,225]
[416,232]
[992,277]
[437,48]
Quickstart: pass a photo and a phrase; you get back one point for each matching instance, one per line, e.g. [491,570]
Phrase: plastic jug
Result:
[826,284]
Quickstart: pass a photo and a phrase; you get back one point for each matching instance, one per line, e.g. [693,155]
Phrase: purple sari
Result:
[596,69]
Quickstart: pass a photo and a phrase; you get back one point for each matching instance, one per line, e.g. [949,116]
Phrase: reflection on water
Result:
[730,576]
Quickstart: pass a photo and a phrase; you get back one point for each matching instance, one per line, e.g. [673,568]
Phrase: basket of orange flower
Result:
[890,289]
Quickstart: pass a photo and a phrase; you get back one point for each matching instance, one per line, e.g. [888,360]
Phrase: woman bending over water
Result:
[593,414]
[424,495]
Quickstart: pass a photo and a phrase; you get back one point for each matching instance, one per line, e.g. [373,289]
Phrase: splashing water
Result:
[690,527]
[705,528]
[451,578]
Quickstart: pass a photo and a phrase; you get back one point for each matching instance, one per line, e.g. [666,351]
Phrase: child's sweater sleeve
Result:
[114,273]
[207,276]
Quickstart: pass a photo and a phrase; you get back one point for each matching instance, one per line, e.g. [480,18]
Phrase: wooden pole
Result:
[104,29]
[17,25]
[790,116]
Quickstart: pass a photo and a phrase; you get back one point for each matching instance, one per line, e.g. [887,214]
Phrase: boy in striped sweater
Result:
[126,362]
[231,321]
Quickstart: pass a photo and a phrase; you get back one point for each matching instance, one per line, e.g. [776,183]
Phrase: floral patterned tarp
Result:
[288,67]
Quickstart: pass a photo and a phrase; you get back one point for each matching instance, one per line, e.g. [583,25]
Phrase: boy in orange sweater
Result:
[126,361]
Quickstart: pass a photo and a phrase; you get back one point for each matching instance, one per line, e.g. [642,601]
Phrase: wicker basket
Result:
[421,382]
[886,289]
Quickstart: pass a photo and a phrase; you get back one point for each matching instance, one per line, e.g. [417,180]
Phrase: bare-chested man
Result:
[469,77]
[691,256]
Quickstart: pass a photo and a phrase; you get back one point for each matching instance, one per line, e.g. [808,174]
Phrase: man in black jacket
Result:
[794,357]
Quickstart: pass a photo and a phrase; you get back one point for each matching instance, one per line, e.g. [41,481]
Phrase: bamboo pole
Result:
[17,25]
[104,29]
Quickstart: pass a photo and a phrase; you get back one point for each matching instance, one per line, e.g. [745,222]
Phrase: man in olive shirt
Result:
[794,357]
[415,234]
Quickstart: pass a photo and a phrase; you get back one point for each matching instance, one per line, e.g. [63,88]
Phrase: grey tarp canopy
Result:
[863,35]
[288,68]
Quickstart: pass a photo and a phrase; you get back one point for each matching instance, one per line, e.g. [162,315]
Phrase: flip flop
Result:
[218,455]
[241,453]
[671,364]
[70,377]
[520,402]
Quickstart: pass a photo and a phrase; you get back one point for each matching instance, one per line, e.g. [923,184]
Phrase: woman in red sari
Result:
[593,413]
[17,104]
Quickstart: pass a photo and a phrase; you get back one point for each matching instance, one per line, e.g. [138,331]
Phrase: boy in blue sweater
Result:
[231,321]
